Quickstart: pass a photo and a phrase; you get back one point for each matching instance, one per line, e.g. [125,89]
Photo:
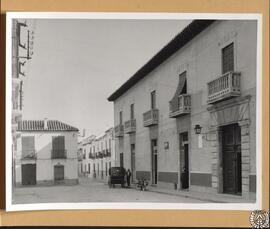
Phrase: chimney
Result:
[45,123]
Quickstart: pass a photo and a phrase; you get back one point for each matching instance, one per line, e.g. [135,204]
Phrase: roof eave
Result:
[180,40]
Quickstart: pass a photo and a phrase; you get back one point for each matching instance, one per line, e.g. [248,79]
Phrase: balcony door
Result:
[58,147]
[28,147]
[154,152]
[153,100]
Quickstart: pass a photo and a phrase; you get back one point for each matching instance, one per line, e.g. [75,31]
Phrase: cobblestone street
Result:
[91,191]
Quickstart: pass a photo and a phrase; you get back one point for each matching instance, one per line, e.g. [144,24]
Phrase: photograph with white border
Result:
[133,111]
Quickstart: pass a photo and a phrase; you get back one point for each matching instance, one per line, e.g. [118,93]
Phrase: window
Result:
[120,117]
[89,168]
[28,147]
[58,147]
[153,99]
[132,111]
[227,59]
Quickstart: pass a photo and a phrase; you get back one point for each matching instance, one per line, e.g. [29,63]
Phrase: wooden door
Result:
[184,161]
[154,161]
[132,146]
[28,174]
[121,160]
[231,157]
[59,173]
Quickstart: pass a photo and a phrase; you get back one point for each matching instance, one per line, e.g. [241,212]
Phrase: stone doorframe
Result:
[228,112]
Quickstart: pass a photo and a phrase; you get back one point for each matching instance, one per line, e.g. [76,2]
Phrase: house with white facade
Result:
[187,118]
[98,155]
[48,153]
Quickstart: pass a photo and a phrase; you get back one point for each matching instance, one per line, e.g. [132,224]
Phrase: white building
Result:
[187,118]
[98,155]
[48,153]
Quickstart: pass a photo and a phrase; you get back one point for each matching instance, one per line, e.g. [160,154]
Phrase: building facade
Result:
[48,153]
[98,155]
[21,54]
[187,118]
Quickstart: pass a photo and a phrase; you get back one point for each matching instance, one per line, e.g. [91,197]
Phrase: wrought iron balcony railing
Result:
[119,131]
[224,87]
[181,106]
[150,117]
[130,126]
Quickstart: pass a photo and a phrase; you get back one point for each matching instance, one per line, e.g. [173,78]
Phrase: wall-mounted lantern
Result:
[198,129]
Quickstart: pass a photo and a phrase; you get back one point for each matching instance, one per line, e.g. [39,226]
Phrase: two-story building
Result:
[48,153]
[98,155]
[187,118]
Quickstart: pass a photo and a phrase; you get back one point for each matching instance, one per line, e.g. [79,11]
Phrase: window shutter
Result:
[227,59]
[58,146]
[28,146]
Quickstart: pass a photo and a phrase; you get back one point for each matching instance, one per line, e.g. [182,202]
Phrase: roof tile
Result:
[38,125]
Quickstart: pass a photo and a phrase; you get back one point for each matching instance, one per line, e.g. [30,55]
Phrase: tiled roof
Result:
[179,41]
[38,125]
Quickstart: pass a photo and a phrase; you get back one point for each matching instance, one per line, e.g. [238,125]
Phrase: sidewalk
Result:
[209,197]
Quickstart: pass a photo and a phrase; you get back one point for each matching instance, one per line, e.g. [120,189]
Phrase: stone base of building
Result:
[51,183]
[197,188]
[167,185]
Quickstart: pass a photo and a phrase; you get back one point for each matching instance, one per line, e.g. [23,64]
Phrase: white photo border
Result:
[131,205]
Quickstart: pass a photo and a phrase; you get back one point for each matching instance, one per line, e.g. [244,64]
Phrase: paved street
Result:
[91,191]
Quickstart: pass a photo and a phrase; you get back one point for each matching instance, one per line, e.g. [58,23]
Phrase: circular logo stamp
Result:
[259,219]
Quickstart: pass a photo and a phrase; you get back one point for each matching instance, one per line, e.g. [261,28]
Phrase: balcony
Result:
[224,87]
[99,155]
[181,106]
[80,157]
[130,126]
[91,156]
[60,154]
[108,152]
[29,156]
[150,118]
[119,131]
